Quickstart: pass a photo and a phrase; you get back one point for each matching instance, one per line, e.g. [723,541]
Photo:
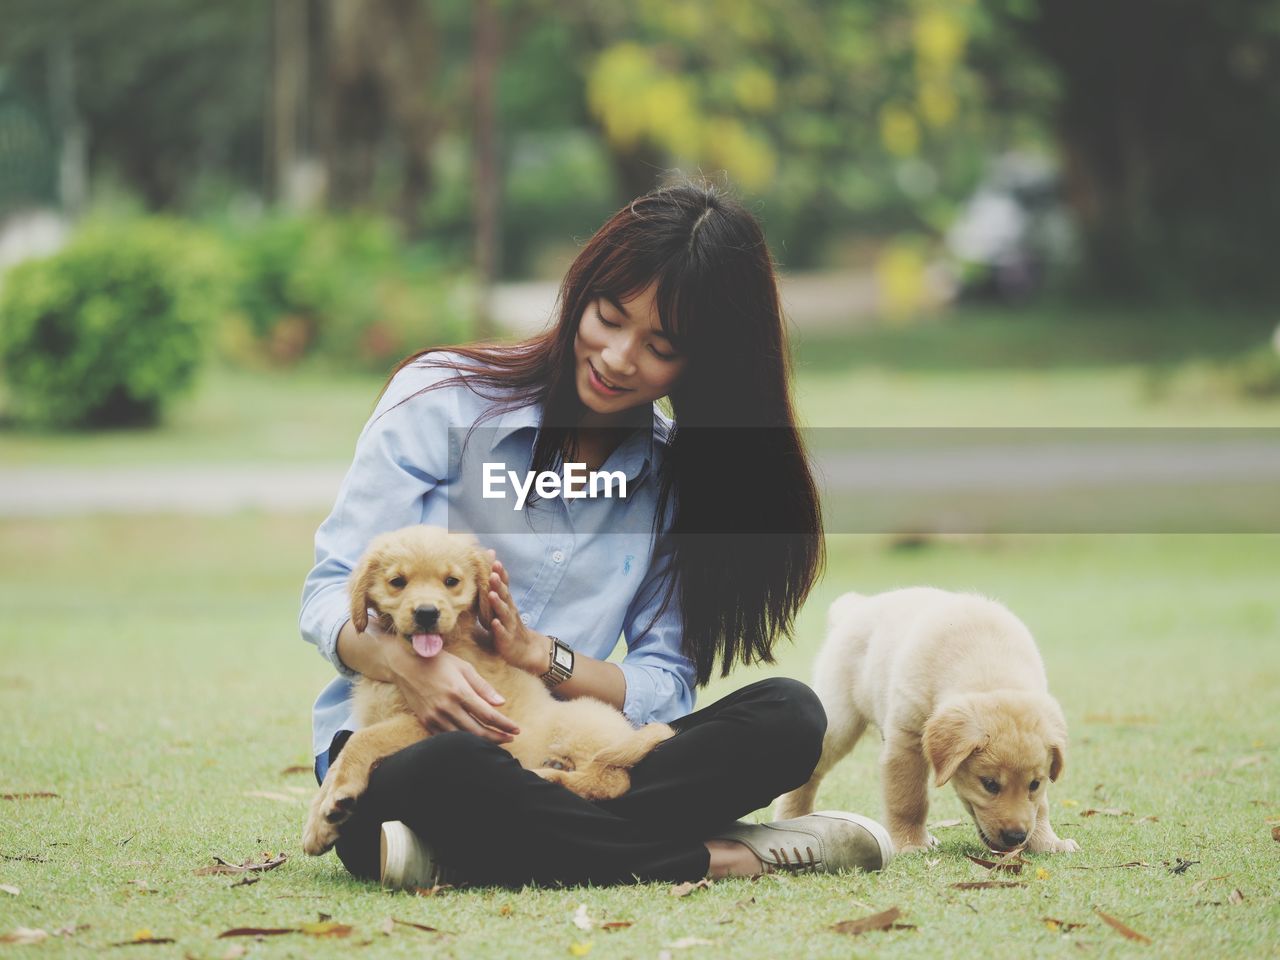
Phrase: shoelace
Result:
[794,861]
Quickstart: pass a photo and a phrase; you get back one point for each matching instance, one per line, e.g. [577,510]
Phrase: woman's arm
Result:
[444,691]
[531,651]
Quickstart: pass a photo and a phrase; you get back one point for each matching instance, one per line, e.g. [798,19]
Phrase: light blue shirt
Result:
[582,569]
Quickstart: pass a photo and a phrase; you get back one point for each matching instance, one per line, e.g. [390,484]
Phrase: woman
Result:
[705,561]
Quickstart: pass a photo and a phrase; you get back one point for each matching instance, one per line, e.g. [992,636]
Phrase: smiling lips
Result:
[602,383]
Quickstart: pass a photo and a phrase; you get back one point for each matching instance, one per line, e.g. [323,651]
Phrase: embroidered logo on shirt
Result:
[626,563]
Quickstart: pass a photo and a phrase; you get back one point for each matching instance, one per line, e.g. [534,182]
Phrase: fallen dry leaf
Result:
[409,923]
[432,891]
[616,925]
[1070,803]
[877,921]
[1236,896]
[257,932]
[33,795]
[1275,834]
[326,928]
[10,890]
[141,937]
[988,884]
[1199,884]
[246,881]
[1011,866]
[34,858]
[1106,812]
[70,929]
[684,889]
[296,768]
[580,949]
[1182,866]
[1042,873]
[268,862]
[1060,926]
[1127,932]
[24,936]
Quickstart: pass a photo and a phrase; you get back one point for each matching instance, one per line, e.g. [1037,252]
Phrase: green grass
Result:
[151,676]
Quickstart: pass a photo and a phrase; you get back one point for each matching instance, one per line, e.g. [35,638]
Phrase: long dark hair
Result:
[746,530]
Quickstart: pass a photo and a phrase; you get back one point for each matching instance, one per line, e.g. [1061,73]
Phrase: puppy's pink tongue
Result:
[427,644]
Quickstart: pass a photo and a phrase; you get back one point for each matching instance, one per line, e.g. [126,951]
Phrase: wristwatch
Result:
[561,663]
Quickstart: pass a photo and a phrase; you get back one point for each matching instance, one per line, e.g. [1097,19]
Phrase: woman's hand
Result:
[446,693]
[515,643]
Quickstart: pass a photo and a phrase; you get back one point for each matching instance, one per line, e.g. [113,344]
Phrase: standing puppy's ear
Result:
[483,568]
[950,737]
[362,580]
[1057,739]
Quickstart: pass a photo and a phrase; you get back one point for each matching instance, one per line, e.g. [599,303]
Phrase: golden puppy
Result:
[954,681]
[431,587]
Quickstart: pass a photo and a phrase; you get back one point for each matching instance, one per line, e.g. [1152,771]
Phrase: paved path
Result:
[1028,467]
[811,301]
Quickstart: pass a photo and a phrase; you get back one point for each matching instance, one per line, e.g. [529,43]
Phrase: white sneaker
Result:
[824,842]
[406,862]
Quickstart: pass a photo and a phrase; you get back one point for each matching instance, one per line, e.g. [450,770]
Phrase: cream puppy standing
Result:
[954,681]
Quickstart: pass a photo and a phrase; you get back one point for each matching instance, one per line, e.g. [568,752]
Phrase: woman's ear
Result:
[483,568]
[362,579]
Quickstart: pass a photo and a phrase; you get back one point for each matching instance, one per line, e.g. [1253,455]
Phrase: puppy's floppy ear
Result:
[950,737]
[362,580]
[1057,739]
[482,568]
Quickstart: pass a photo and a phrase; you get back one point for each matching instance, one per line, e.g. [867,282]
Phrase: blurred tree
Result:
[1169,119]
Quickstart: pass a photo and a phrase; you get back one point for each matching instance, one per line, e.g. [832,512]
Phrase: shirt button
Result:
[524,618]
[558,556]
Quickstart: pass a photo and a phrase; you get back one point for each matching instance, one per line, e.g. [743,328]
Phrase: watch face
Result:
[564,657]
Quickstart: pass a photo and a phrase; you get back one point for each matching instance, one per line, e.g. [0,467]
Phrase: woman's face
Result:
[623,359]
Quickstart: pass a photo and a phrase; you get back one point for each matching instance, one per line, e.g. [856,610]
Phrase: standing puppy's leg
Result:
[1043,839]
[844,727]
[904,775]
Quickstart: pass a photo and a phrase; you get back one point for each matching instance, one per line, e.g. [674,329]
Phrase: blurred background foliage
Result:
[371,168]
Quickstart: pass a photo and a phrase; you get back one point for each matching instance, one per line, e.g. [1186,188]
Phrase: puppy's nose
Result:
[1012,838]
[426,616]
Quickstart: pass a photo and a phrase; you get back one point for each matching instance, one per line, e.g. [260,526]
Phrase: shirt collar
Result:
[635,455]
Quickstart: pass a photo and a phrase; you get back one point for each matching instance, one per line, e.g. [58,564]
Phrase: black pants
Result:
[490,821]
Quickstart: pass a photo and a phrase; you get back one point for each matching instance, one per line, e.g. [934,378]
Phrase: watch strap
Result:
[561,668]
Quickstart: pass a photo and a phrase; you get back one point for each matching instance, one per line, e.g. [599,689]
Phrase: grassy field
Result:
[152,678]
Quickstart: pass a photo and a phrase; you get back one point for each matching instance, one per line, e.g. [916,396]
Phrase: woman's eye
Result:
[1035,785]
[991,786]
[663,356]
[451,581]
[607,323]
[398,582]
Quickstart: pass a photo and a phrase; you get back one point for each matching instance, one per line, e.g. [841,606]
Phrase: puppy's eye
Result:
[451,581]
[1035,785]
[398,582]
[991,786]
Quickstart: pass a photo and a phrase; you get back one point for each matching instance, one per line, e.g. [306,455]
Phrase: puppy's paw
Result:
[914,844]
[320,833]
[552,774]
[1058,845]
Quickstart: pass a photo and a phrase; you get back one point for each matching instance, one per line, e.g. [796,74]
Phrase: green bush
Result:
[1256,374]
[341,289]
[111,328]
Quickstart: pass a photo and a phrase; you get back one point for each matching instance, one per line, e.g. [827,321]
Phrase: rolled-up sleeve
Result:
[401,456]
[660,678]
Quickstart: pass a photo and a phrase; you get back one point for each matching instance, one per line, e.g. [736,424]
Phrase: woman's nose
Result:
[618,357]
